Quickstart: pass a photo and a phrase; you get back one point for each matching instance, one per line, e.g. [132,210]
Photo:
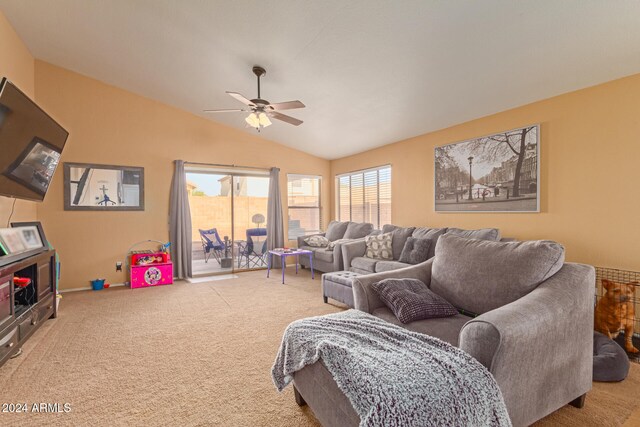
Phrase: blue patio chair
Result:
[212,245]
[252,252]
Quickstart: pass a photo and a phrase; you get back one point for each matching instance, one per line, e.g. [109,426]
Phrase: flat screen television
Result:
[31,143]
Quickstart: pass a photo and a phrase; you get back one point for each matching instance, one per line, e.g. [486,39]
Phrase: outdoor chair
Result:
[212,245]
[252,252]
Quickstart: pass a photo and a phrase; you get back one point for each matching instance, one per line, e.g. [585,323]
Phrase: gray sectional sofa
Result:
[533,328]
[328,259]
[354,258]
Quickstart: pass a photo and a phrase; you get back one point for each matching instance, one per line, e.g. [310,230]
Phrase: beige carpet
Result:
[195,355]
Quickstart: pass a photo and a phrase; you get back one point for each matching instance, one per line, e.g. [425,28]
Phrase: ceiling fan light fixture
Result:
[264,120]
[261,111]
[252,120]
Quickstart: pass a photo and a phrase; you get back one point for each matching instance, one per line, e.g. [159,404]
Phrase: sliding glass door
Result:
[250,197]
[228,217]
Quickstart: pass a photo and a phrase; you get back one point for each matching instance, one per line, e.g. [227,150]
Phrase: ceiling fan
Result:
[261,110]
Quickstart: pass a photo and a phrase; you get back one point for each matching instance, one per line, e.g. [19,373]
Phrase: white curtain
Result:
[180,223]
[275,224]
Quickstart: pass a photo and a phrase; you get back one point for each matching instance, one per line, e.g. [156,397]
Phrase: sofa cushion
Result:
[481,275]
[379,247]
[400,236]
[390,265]
[432,234]
[321,254]
[336,230]
[344,278]
[364,264]
[357,230]
[411,300]
[445,328]
[415,251]
[317,241]
[482,234]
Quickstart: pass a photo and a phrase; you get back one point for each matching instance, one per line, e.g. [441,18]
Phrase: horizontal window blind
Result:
[365,196]
[305,210]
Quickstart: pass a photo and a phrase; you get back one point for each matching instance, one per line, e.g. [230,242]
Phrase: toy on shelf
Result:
[21,282]
[150,268]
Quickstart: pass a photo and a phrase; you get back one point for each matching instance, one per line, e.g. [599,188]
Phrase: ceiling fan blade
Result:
[241,98]
[289,105]
[237,110]
[285,118]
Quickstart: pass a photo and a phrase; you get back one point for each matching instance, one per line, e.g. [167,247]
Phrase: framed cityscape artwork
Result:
[495,173]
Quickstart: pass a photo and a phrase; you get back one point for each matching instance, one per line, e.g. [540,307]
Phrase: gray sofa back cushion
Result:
[481,275]
[357,230]
[482,234]
[336,230]
[400,236]
[432,234]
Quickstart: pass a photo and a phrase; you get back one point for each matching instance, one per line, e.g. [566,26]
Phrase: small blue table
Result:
[283,254]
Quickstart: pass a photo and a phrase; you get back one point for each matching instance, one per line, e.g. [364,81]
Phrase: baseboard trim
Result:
[89,288]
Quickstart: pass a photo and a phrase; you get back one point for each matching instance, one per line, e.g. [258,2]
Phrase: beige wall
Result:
[112,126]
[16,64]
[590,157]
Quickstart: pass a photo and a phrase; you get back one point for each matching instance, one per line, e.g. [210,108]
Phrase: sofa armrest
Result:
[301,238]
[540,347]
[338,251]
[365,298]
[352,250]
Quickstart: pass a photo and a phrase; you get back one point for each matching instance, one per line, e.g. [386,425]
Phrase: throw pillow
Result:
[317,241]
[411,300]
[336,230]
[432,234]
[379,247]
[400,236]
[415,251]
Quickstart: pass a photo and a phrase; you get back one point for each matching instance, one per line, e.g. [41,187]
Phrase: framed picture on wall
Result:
[494,173]
[93,187]
[38,227]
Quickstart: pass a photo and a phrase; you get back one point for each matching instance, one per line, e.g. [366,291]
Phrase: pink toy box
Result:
[150,269]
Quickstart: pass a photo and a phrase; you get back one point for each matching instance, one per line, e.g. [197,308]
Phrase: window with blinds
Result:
[305,213]
[365,196]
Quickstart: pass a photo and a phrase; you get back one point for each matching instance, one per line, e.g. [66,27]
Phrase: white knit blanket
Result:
[393,376]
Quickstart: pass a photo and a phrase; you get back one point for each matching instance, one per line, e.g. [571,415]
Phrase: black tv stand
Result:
[24,309]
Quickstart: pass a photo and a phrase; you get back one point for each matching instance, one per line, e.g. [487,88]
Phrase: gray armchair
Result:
[539,347]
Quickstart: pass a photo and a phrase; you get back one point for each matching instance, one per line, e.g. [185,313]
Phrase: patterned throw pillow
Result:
[317,241]
[411,300]
[415,251]
[379,247]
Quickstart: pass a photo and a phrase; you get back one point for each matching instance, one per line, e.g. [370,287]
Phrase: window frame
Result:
[319,207]
[362,172]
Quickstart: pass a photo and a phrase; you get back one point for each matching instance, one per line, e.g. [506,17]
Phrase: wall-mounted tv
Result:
[31,143]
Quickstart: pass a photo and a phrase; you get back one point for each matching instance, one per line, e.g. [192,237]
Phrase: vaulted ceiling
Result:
[370,72]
